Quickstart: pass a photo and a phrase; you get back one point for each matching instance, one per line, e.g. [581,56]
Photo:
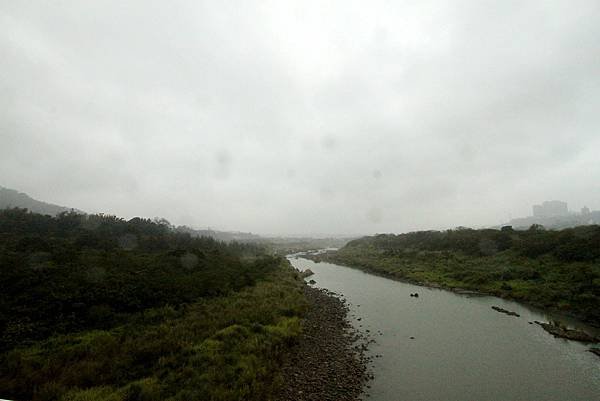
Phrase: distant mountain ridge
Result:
[10,198]
[226,236]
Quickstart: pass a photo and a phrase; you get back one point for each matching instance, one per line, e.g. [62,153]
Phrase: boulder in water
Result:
[307,273]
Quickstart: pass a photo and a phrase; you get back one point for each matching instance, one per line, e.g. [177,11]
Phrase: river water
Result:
[462,349]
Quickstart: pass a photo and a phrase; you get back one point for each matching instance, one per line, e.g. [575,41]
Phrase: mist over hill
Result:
[225,236]
[10,198]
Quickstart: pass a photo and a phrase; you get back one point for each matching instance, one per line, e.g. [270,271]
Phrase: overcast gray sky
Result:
[324,117]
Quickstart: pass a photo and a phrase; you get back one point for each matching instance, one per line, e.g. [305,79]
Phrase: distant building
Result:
[538,211]
[551,209]
[555,215]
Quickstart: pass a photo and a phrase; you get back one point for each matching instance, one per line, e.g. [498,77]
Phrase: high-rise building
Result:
[551,209]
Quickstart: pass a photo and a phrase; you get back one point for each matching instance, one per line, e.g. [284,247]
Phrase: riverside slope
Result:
[563,288]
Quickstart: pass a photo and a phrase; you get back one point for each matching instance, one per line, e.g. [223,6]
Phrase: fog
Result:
[302,117]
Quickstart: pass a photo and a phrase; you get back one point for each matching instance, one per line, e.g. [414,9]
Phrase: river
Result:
[462,349]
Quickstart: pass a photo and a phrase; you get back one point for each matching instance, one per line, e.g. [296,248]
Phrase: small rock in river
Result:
[506,312]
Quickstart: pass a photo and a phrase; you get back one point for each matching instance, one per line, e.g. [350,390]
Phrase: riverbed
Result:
[446,346]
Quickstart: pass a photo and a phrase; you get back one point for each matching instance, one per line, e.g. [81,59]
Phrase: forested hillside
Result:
[99,308]
[553,269]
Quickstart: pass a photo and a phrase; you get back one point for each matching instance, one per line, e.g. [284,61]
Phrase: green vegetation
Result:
[99,308]
[551,269]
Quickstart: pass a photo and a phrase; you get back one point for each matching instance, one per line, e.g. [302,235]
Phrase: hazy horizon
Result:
[302,118]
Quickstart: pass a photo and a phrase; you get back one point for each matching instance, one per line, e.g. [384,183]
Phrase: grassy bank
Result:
[550,269]
[225,348]
[98,308]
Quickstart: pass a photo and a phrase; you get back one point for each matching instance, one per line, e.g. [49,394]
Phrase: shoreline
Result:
[322,257]
[328,362]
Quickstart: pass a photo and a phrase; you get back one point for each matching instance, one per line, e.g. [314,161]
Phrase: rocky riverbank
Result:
[328,363]
[562,332]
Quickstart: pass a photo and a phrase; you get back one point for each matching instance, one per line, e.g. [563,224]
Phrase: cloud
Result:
[302,117]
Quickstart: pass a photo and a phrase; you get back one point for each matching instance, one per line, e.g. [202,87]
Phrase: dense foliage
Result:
[99,308]
[555,269]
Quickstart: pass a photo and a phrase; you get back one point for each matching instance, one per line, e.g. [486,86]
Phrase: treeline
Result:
[568,245]
[76,271]
[93,291]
